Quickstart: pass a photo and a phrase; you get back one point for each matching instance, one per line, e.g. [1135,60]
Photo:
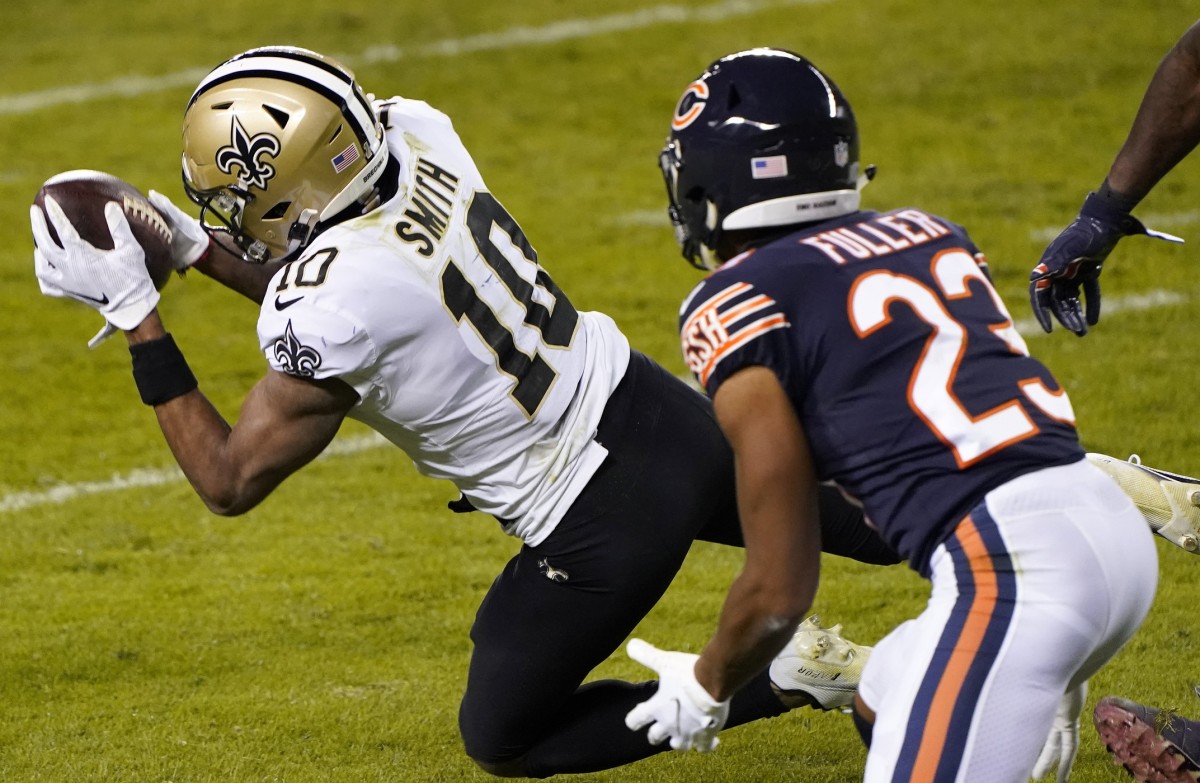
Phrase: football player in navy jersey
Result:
[395,289]
[869,351]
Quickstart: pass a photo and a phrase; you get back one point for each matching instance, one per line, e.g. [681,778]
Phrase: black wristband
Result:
[160,371]
[1116,199]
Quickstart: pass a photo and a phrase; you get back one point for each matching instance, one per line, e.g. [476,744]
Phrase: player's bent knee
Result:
[491,755]
[512,768]
[864,720]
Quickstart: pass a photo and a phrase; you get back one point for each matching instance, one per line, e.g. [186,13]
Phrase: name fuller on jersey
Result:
[878,236]
[429,207]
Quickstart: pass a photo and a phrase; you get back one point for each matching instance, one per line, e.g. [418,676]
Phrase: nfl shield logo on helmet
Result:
[841,154]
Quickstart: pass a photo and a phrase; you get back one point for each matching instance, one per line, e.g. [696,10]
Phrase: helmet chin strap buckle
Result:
[257,252]
[709,258]
[301,232]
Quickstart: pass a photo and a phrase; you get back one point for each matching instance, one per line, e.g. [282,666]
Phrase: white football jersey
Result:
[464,352]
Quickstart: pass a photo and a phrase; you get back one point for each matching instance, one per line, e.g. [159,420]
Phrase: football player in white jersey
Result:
[395,289]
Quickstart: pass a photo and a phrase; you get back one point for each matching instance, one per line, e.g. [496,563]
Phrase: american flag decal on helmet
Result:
[769,167]
[344,158]
[725,322]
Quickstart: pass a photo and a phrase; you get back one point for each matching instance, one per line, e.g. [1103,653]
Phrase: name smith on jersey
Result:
[429,207]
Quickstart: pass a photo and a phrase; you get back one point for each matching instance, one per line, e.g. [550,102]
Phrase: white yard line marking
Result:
[1161,220]
[510,38]
[1151,300]
[1044,235]
[644,217]
[151,477]
[157,477]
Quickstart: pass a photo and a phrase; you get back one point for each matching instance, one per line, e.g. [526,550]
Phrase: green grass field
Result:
[323,637]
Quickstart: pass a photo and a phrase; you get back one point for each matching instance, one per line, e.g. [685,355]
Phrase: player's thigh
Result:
[550,618]
[934,684]
[974,681]
[559,609]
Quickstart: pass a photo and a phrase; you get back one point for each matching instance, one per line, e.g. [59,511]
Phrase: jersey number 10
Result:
[555,324]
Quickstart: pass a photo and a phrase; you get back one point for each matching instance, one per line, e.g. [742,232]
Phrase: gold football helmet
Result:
[275,141]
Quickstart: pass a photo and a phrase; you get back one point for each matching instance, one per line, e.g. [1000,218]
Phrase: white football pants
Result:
[1032,593]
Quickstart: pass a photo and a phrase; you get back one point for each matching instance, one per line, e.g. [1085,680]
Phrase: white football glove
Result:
[1063,740]
[113,282]
[189,241]
[681,709]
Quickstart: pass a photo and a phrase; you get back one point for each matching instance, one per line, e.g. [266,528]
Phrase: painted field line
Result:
[1151,300]
[1160,220]
[153,477]
[157,477]
[645,217]
[1043,235]
[510,38]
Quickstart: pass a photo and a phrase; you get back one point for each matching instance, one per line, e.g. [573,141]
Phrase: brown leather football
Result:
[82,195]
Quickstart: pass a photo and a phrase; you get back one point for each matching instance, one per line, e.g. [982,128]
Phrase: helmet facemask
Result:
[693,216]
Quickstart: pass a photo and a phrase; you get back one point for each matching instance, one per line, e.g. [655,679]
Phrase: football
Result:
[82,195]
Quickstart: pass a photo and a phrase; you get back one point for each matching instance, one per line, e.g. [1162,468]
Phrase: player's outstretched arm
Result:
[227,268]
[193,248]
[1167,126]
[777,503]
[1165,130]
[284,423]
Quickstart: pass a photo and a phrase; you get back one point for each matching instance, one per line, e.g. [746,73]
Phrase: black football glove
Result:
[1072,264]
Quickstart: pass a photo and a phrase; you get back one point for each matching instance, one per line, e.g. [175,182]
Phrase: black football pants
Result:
[558,610]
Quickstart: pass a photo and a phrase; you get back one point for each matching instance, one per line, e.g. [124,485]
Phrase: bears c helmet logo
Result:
[690,105]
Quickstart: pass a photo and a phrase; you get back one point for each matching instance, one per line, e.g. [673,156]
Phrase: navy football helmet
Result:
[762,138]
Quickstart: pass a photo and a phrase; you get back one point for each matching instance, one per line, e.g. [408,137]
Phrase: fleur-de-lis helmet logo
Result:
[246,152]
[294,357]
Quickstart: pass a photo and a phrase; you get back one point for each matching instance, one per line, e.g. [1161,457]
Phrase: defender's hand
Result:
[114,282]
[681,710]
[1063,741]
[189,240]
[1071,265]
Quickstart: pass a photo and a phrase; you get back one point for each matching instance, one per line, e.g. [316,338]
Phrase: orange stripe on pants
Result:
[979,616]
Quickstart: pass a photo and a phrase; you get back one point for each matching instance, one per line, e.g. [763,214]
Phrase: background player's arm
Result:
[285,422]
[227,268]
[215,255]
[777,501]
[1165,129]
[1167,125]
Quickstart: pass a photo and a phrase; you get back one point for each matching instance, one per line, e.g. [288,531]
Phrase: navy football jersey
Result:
[915,391]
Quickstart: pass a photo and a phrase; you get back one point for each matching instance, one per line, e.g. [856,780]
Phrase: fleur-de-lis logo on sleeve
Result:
[246,152]
[294,357]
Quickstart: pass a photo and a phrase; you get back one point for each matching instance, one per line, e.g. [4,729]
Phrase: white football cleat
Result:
[1169,502]
[818,668]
